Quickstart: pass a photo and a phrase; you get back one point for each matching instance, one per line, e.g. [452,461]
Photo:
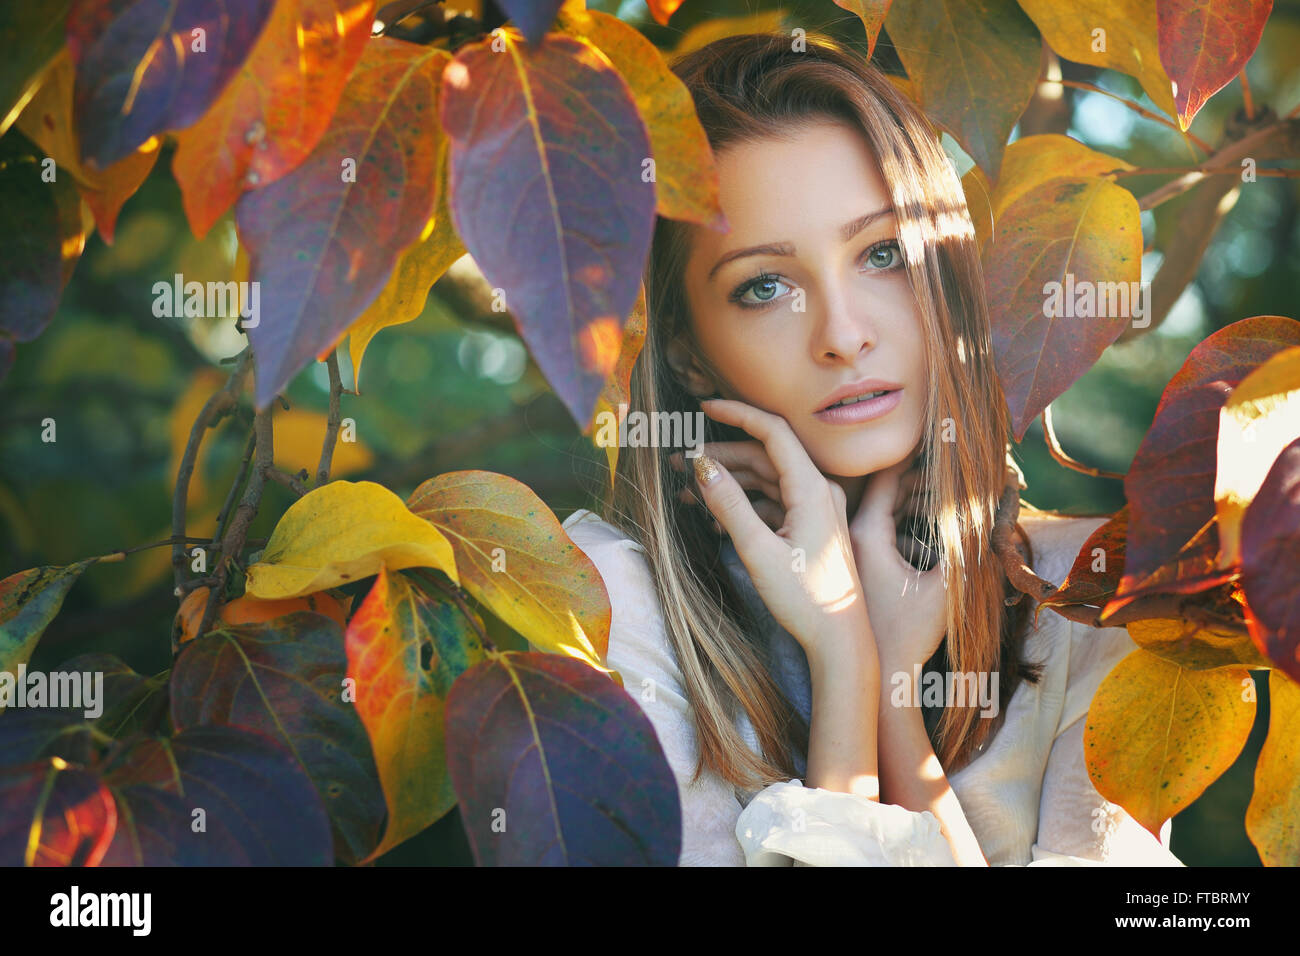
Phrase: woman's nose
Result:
[844,326]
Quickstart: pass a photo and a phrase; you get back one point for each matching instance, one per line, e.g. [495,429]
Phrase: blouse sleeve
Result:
[785,823]
[1077,826]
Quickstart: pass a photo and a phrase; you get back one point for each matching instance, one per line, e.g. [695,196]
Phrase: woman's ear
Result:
[690,371]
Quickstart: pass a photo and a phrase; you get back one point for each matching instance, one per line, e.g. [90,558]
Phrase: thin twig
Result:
[1062,458]
[223,515]
[1140,110]
[1230,156]
[233,541]
[335,417]
[216,407]
[292,482]
[1183,170]
[1247,101]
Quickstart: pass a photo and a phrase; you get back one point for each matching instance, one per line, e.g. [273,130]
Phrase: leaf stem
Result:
[332,426]
[1062,458]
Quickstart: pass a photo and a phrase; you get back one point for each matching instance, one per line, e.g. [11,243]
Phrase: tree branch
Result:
[233,541]
[217,407]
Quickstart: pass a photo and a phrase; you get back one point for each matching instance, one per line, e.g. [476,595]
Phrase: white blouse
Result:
[1026,795]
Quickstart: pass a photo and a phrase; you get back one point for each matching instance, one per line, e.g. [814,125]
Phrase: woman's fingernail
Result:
[706,469]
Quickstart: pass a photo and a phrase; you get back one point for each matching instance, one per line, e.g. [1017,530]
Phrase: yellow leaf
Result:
[1273,817]
[1194,647]
[979,195]
[1260,418]
[517,561]
[686,179]
[618,387]
[418,268]
[1127,40]
[1158,734]
[1035,160]
[343,531]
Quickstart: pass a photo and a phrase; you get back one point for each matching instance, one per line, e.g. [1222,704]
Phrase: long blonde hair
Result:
[748,87]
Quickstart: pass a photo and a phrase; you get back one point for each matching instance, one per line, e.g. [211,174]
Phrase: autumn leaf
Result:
[1204,44]
[618,388]
[372,183]
[1192,646]
[1273,817]
[548,743]
[974,66]
[29,600]
[30,34]
[685,176]
[275,109]
[46,235]
[343,531]
[1260,418]
[872,14]
[418,268]
[1114,34]
[1270,546]
[285,678]
[661,10]
[555,216]
[1158,734]
[405,650]
[48,122]
[1173,541]
[137,72]
[517,561]
[532,17]
[1066,229]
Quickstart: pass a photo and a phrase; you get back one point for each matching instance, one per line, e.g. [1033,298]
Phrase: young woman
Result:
[764,615]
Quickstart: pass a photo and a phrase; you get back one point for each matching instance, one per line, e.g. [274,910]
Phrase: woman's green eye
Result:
[884,256]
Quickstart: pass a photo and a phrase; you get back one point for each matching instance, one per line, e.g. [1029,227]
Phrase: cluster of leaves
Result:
[359,166]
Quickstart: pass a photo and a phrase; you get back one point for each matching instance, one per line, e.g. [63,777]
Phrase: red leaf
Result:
[1204,44]
[1270,555]
[1173,541]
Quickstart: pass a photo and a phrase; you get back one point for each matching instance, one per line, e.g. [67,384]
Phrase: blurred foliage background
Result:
[456,389]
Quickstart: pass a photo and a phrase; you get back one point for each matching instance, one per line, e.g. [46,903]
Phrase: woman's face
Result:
[807,294]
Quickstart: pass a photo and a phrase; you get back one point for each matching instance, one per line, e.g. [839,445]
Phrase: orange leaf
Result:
[275,109]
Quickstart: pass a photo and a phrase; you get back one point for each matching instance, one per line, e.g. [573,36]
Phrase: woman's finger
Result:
[726,501]
[735,456]
[797,476]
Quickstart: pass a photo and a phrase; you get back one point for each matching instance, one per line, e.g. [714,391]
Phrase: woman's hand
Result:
[907,607]
[804,571]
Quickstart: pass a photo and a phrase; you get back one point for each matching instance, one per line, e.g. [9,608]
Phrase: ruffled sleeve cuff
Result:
[790,824]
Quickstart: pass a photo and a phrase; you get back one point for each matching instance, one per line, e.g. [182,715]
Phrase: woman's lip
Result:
[861,411]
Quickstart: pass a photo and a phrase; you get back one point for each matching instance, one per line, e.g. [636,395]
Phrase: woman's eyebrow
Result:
[847,232]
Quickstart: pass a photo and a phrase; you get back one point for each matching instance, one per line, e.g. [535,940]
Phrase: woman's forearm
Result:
[912,777]
[845,701]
